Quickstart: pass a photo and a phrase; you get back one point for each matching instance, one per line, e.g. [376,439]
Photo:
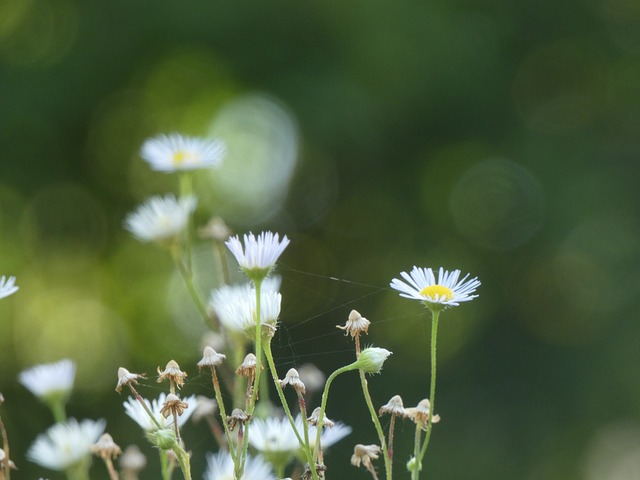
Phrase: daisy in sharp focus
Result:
[220,467]
[160,219]
[7,286]
[174,152]
[447,291]
[258,255]
[66,445]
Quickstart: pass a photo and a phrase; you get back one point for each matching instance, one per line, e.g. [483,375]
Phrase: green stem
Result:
[256,384]
[186,189]
[223,413]
[376,423]
[187,276]
[183,460]
[415,473]
[323,403]
[165,466]
[58,410]
[432,390]
[304,445]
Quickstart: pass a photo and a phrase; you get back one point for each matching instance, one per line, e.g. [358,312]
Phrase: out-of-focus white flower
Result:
[160,219]
[235,305]
[140,416]
[220,467]
[259,254]
[50,381]
[175,152]
[65,444]
[446,291]
[7,286]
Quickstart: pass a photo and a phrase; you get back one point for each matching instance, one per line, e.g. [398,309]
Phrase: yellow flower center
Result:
[180,157]
[432,290]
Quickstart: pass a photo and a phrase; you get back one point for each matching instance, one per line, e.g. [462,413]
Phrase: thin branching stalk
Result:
[223,413]
[376,423]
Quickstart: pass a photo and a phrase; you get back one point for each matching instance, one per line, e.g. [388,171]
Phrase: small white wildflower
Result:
[7,286]
[220,467]
[175,152]
[446,291]
[160,219]
[65,444]
[258,255]
[140,416]
[50,381]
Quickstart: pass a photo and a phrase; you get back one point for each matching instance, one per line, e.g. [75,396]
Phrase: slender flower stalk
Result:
[376,423]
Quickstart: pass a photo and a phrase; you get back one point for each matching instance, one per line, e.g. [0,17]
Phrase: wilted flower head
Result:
[174,152]
[259,254]
[173,373]
[363,454]
[65,444]
[446,291]
[393,407]
[125,377]
[356,324]
[420,413]
[139,415]
[211,358]
[293,378]
[105,447]
[161,219]
[315,418]
[220,467]
[7,286]
[50,381]
[248,366]
[371,359]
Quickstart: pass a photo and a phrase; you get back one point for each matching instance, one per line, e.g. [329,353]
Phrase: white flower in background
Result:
[220,467]
[272,435]
[235,305]
[65,444]
[259,254]
[7,286]
[446,291]
[139,415]
[160,218]
[174,152]
[51,380]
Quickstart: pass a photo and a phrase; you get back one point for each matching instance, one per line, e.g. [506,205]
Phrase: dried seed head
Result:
[238,416]
[393,407]
[215,229]
[420,413]
[10,463]
[205,407]
[313,377]
[132,460]
[211,358]
[292,378]
[363,454]
[315,418]
[356,324]
[125,377]
[248,367]
[173,406]
[173,373]
[105,447]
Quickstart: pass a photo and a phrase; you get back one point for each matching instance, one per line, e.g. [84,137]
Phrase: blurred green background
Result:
[498,137]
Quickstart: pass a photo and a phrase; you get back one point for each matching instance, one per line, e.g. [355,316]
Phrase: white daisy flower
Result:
[65,444]
[447,291]
[7,286]
[175,152]
[273,435]
[235,305]
[259,254]
[51,380]
[220,467]
[140,416]
[160,218]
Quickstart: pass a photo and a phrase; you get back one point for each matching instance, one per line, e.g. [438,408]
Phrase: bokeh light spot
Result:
[497,204]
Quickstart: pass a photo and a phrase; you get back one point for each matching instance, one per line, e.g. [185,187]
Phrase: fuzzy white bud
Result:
[371,359]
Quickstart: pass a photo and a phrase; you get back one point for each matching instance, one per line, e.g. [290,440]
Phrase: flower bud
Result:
[371,359]
[164,439]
